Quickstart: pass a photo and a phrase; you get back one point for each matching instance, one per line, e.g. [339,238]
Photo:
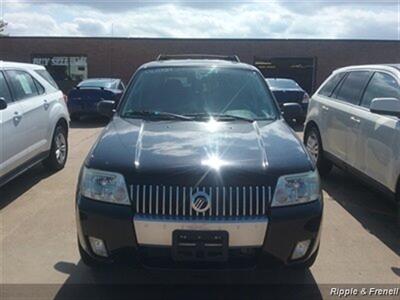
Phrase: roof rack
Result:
[233,58]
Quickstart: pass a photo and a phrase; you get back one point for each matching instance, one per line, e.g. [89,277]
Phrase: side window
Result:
[45,75]
[329,86]
[352,86]
[382,85]
[39,87]
[4,91]
[21,84]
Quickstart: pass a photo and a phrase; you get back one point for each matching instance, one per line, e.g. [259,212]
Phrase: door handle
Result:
[46,104]
[326,108]
[17,117]
[355,119]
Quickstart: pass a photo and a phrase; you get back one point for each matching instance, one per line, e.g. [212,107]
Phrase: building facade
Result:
[309,62]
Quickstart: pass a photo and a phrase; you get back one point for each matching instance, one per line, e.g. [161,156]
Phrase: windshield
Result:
[194,91]
[99,83]
[282,84]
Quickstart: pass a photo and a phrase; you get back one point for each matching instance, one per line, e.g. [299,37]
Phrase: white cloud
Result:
[200,19]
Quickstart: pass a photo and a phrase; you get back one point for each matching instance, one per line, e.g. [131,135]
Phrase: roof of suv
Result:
[198,63]
[9,64]
[396,66]
[390,67]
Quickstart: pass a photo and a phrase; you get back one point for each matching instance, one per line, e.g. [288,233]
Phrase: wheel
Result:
[75,117]
[59,150]
[87,259]
[308,263]
[312,140]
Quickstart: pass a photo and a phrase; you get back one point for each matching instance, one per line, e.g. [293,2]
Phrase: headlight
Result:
[296,189]
[104,186]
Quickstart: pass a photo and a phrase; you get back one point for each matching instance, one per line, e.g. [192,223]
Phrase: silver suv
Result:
[353,121]
[33,120]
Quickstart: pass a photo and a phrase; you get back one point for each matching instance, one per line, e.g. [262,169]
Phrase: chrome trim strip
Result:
[184,200]
[137,197]
[144,199]
[158,231]
[230,201]
[151,200]
[257,201]
[170,200]
[163,203]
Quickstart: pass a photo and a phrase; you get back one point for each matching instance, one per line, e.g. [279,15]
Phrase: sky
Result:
[326,19]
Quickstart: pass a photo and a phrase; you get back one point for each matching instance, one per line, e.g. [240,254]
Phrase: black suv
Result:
[197,168]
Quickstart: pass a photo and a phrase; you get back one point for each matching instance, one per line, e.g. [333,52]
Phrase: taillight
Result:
[306,98]
[65,98]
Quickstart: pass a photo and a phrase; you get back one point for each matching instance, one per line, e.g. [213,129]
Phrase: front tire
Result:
[59,150]
[312,140]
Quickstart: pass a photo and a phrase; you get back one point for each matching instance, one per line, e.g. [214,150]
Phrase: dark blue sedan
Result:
[83,99]
[288,91]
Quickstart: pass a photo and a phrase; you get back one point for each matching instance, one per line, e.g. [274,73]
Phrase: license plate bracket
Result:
[196,245]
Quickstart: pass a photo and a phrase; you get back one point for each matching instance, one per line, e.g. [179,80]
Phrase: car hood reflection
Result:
[190,147]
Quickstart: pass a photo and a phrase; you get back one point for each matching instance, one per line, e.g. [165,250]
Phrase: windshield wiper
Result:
[221,116]
[155,114]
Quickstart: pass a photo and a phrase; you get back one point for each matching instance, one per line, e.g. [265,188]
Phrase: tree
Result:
[3,26]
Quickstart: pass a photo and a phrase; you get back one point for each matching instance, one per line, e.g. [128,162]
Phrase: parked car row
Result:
[197,167]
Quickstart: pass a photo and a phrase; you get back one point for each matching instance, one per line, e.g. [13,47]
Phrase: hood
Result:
[189,152]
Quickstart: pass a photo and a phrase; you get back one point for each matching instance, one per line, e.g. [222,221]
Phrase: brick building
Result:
[307,61]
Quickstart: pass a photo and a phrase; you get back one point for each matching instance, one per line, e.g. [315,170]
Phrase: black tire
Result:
[59,150]
[87,259]
[316,151]
[75,117]
[308,263]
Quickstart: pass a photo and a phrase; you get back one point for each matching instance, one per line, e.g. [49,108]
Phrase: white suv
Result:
[353,121]
[33,120]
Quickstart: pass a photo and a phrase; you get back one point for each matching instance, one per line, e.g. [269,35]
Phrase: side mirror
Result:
[291,111]
[386,106]
[106,108]
[3,103]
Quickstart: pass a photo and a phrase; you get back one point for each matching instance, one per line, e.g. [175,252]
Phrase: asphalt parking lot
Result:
[360,239]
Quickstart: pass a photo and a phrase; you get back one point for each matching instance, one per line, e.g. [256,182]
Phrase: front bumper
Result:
[283,228]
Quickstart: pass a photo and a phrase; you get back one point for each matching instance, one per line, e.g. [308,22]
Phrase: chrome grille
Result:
[229,201]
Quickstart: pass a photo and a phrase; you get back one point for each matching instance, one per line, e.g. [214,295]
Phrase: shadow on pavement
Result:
[89,122]
[18,186]
[119,282]
[376,213]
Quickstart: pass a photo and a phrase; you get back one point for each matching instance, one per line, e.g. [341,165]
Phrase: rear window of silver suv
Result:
[46,76]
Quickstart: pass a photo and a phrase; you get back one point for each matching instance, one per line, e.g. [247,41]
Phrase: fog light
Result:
[301,249]
[98,246]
